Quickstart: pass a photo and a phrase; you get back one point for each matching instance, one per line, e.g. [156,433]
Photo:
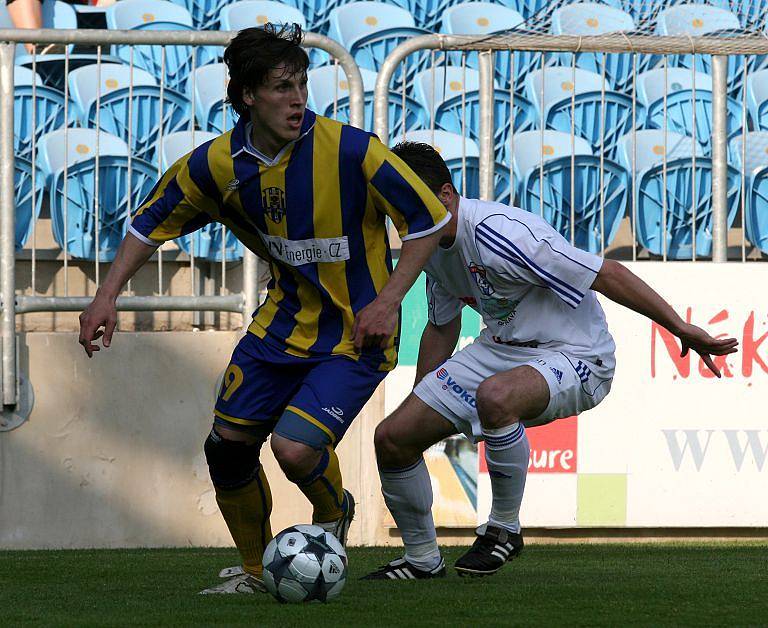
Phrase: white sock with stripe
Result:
[408,495]
[506,453]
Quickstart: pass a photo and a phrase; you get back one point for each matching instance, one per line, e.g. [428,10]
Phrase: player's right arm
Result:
[439,338]
[177,205]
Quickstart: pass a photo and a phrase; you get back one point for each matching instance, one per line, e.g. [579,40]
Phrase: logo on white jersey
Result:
[479,275]
[501,308]
[558,374]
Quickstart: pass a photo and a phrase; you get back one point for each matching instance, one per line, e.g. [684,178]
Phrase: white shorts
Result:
[575,384]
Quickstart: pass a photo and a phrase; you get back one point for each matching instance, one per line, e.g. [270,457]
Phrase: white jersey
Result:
[531,287]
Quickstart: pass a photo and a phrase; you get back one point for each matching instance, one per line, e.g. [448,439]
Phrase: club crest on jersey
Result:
[478,272]
[274,203]
[501,308]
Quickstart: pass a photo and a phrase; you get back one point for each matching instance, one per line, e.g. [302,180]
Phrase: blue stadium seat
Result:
[48,109]
[548,168]
[695,20]
[118,104]
[426,13]
[329,96]
[68,161]
[204,13]
[207,88]
[757,98]
[456,105]
[371,30]
[158,15]
[579,105]
[28,197]
[484,18]
[462,156]
[679,113]
[204,243]
[248,13]
[670,186]
[756,185]
[589,18]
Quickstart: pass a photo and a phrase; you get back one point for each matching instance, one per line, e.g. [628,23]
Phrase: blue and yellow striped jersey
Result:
[316,213]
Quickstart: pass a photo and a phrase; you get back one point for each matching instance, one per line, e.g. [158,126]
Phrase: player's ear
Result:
[248,98]
[446,193]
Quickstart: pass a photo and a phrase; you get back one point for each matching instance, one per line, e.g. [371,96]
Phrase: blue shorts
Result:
[309,400]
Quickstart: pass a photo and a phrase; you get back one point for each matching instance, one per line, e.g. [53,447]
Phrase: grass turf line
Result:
[576,585]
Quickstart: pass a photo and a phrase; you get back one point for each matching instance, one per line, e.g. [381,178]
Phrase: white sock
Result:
[408,495]
[506,452]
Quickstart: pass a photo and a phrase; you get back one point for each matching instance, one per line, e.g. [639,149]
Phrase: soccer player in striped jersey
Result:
[545,353]
[311,196]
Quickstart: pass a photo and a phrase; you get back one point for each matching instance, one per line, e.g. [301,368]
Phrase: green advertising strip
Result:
[415,319]
[602,499]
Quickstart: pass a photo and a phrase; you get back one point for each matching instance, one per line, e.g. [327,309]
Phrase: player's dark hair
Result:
[426,162]
[255,51]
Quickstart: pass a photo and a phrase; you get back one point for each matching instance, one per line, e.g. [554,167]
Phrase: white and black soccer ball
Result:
[305,563]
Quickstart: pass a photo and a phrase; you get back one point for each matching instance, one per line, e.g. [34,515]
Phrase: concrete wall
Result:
[112,453]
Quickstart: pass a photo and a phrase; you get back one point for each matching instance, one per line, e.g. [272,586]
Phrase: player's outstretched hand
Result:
[374,325]
[705,345]
[100,313]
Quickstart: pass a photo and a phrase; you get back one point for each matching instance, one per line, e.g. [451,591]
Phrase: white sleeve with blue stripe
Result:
[442,307]
[531,250]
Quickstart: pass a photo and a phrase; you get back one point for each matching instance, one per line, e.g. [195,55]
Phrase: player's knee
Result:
[492,404]
[231,464]
[390,453]
[297,460]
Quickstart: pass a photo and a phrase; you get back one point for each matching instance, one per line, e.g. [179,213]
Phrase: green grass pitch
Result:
[711,584]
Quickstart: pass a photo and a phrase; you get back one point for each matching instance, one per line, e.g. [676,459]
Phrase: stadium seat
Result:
[563,98]
[329,96]
[118,104]
[48,109]
[426,13]
[484,18]
[204,13]
[158,15]
[695,20]
[207,88]
[204,243]
[28,198]
[757,98]
[68,159]
[371,30]
[679,105]
[248,13]
[560,178]
[755,168]
[462,156]
[589,18]
[455,106]
[666,195]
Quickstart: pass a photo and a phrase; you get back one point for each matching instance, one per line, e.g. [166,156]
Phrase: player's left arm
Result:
[621,285]
[419,217]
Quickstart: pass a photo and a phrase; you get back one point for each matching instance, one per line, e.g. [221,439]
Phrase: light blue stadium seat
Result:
[670,186]
[679,112]
[695,20]
[204,13]
[462,156]
[756,185]
[48,109]
[456,105]
[590,18]
[547,168]
[118,104]
[484,18]
[28,197]
[73,217]
[372,30]
[329,96]
[158,15]
[207,87]
[579,105]
[426,13]
[205,243]
[757,98]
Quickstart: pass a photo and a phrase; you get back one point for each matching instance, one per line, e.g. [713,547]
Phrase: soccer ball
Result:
[305,563]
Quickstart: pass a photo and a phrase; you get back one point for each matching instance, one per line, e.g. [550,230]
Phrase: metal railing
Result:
[637,45]
[13,304]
